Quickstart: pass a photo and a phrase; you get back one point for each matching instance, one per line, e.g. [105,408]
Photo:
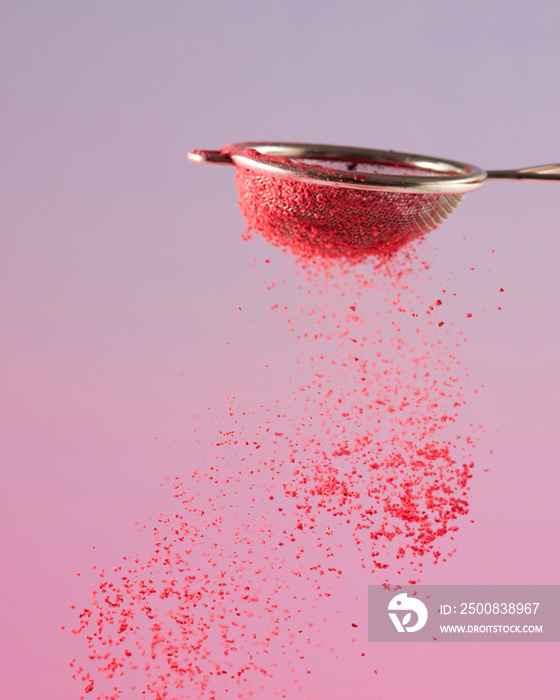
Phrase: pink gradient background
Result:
[122,265]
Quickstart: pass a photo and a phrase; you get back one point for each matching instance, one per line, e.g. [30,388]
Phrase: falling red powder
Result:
[353,460]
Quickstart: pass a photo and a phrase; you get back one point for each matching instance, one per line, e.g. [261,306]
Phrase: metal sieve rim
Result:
[456,177]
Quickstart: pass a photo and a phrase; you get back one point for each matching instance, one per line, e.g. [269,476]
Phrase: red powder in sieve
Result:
[336,222]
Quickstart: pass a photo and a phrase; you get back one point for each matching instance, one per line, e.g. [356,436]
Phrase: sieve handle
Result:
[537,172]
[209,157]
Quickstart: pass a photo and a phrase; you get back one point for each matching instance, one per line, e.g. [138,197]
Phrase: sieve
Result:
[343,201]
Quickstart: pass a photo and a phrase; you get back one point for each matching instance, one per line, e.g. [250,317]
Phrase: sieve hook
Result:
[537,172]
[200,156]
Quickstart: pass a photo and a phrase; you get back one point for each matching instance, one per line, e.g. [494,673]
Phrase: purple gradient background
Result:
[122,264]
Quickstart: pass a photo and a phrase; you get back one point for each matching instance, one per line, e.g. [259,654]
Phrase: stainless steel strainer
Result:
[344,201]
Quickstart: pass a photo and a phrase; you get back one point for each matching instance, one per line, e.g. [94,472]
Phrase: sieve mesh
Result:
[313,219]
